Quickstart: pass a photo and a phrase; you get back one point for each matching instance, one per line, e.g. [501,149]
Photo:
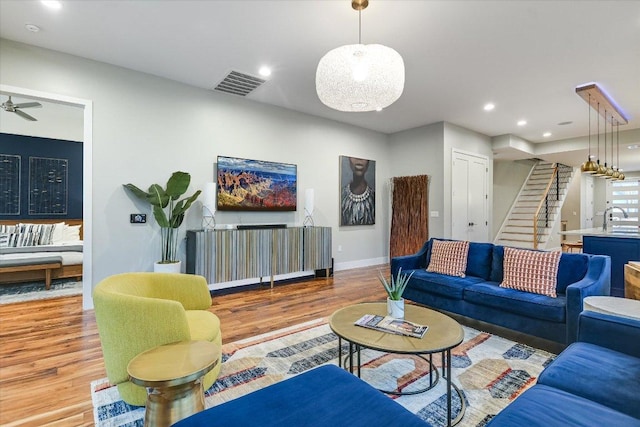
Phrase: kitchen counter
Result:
[622,247]
[597,231]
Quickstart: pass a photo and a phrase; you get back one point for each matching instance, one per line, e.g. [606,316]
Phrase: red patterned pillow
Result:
[531,271]
[449,258]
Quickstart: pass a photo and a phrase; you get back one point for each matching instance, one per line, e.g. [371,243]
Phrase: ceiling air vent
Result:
[238,83]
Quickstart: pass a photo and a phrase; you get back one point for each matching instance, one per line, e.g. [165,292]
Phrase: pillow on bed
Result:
[20,240]
[72,233]
[4,240]
[7,228]
[58,232]
[42,233]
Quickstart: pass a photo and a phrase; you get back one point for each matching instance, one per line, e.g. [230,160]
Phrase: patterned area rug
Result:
[30,291]
[491,371]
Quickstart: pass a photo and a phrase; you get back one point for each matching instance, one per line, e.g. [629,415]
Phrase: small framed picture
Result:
[357,191]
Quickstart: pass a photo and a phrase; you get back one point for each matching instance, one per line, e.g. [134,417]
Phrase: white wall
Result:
[428,150]
[420,151]
[571,208]
[508,178]
[145,127]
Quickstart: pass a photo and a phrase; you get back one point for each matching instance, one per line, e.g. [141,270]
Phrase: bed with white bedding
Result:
[37,243]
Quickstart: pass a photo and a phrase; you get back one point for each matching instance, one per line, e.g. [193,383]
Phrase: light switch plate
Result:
[138,218]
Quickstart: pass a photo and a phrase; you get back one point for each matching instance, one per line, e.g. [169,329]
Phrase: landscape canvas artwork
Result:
[255,185]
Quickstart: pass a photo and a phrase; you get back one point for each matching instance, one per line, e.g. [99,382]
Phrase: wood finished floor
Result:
[50,349]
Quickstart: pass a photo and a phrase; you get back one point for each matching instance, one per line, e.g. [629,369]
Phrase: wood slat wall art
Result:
[410,214]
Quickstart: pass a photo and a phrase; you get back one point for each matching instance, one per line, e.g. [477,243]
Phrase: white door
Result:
[469,198]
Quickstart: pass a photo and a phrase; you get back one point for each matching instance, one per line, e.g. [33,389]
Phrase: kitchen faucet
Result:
[604,215]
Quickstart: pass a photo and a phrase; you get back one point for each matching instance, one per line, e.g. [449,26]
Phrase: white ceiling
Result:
[527,57]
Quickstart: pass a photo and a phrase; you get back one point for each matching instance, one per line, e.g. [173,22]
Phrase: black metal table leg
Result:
[448,378]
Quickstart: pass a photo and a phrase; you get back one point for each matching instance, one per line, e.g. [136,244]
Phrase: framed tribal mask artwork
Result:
[357,191]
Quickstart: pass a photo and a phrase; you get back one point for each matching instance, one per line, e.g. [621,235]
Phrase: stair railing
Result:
[550,200]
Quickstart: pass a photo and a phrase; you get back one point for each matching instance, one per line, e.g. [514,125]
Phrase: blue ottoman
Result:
[326,396]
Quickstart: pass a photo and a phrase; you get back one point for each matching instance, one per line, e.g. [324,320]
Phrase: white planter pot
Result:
[173,267]
[395,309]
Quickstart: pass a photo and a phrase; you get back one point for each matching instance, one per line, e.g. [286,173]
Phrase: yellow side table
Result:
[173,373]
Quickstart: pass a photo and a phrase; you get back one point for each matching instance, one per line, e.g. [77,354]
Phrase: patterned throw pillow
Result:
[531,271]
[7,228]
[20,240]
[4,239]
[43,233]
[449,258]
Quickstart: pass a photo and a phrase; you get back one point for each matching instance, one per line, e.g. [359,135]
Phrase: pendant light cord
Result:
[612,157]
[589,106]
[360,27]
[605,137]
[618,140]
[598,118]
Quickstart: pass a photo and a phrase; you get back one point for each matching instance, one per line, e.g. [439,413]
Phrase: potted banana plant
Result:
[168,210]
[395,288]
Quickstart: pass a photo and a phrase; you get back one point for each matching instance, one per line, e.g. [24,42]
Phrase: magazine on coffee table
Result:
[392,325]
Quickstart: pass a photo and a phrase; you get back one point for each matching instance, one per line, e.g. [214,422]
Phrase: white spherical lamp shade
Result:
[308,200]
[360,77]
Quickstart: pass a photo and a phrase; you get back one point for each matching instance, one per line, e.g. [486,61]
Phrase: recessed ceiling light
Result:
[522,122]
[52,4]
[546,134]
[633,147]
[265,71]
[489,107]
[32,28]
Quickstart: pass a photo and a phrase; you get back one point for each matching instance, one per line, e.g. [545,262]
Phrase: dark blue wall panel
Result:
[50,173]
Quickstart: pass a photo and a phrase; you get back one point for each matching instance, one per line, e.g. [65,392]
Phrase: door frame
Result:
[87,174]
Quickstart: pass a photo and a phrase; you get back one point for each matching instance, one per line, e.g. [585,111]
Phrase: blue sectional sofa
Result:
[327,396]
[479,296]
[594,382]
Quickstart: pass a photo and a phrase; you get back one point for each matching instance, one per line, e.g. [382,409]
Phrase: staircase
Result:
[542,193]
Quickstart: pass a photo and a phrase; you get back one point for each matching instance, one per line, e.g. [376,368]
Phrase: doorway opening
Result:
[87,138]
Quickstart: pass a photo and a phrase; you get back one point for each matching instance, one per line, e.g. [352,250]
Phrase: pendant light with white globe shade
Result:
[359,77]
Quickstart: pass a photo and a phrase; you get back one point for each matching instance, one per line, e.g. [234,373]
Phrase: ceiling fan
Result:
[16,108]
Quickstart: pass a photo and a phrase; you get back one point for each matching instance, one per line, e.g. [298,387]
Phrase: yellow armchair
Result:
[139,311]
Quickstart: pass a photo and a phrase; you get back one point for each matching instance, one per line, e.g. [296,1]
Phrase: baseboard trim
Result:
[349,265]
[283,278]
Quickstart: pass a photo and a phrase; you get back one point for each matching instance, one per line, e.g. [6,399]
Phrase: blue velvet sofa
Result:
[327,396]
[593,382]
[479,296]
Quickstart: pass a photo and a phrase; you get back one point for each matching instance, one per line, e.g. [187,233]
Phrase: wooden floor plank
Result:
[50,349]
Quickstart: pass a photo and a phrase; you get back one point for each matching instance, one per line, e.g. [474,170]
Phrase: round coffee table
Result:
[173,373]
[444,334]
